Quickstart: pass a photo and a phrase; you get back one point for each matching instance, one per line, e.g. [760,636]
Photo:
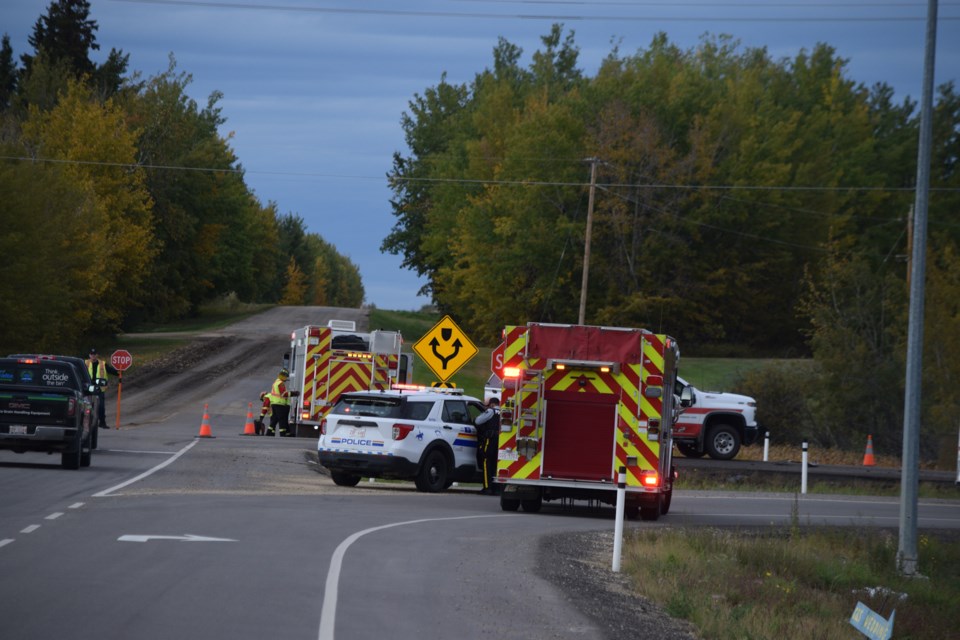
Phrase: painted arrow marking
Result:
[184,538]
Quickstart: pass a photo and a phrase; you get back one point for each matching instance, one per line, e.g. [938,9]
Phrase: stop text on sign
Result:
[121,360]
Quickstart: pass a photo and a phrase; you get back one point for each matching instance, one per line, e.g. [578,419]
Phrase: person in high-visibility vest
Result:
[98,370]
[280,404]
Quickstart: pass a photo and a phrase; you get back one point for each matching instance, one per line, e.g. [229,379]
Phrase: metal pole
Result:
[586,243]
[618,527]
[907,549]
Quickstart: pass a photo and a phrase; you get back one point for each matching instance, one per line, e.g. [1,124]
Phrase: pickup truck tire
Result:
[73,458]
[690,450]
[723,442]
[344,479]
[433,474]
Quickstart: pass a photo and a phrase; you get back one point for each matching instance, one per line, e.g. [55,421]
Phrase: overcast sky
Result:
[313,90]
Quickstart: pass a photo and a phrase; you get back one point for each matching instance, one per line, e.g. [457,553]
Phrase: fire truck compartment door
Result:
[578,437]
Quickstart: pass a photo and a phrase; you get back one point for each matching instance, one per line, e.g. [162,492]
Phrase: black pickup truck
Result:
[45,406]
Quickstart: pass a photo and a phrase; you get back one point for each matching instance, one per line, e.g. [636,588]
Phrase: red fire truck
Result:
[581,404]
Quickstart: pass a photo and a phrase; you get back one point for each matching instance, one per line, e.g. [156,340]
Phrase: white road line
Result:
[76,505]
[5,542]
[107,492]
[159,453]
[30,529]
[328,611]
[54,516]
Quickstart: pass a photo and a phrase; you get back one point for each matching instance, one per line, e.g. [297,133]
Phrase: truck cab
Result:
[714,423]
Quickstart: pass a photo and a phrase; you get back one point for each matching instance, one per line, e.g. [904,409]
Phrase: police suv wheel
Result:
[344,479]
[433,474]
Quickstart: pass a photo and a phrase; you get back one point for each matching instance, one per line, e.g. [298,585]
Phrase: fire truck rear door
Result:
[578,438]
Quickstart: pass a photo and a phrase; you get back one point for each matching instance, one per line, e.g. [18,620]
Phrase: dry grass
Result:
[782,452]
[794,584]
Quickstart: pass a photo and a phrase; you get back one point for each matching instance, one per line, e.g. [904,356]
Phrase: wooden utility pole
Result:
[586,243]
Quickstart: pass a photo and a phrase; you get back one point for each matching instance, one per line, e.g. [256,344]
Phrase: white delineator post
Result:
[766,446]
[803,469]
[618,528]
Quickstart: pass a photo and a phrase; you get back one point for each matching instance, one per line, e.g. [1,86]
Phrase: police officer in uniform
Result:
[488,435]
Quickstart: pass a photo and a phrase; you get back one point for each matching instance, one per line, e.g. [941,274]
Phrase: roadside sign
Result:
[445,348]
[496,360]
[121,360]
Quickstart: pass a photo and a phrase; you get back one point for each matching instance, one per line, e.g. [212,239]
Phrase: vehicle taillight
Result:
[650,479]
[323,427]
[400,430]
[72,407]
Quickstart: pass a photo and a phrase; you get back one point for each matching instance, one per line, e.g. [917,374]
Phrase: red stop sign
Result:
[496,359]
[121,360]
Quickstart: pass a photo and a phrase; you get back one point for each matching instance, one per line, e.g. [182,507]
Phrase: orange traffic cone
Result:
[205,425]
[249,429]
[868,460]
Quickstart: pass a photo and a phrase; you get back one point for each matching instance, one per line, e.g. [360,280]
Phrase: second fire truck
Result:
[326,362]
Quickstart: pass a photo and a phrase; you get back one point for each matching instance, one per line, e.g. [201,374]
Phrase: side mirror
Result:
[687,397]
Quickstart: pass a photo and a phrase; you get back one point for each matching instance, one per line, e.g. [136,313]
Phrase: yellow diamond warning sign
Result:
[445,348]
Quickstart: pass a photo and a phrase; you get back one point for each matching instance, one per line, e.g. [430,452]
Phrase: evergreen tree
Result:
[8,74]
[66,33]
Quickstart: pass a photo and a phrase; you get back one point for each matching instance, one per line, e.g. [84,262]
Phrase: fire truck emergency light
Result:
[592,365]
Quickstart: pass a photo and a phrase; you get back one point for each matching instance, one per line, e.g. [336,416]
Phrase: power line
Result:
[476,181]
[521,16]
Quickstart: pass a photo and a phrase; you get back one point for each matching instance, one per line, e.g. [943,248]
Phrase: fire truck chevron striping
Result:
[326,362]
[578,404]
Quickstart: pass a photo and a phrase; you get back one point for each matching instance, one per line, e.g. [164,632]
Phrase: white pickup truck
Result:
[715,423]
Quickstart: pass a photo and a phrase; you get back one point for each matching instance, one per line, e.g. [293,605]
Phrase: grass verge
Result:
[795,584]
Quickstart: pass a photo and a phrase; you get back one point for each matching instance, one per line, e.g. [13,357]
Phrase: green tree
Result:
[209,226]
[100,150]
[65,36]
[941,359]
[8,74]
[295,288]
[52,255]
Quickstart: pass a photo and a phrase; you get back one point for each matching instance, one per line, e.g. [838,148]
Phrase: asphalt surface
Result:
[578,564]
[232,484]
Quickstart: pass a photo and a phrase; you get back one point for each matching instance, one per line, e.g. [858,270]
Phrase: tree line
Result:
[741,204]
[120,202]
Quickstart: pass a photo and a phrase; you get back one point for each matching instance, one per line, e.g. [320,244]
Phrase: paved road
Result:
[168,535]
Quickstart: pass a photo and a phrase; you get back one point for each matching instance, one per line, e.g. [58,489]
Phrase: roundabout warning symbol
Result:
[445,348]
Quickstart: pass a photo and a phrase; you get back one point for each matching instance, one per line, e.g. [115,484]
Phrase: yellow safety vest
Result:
[100,373]
[275,396]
